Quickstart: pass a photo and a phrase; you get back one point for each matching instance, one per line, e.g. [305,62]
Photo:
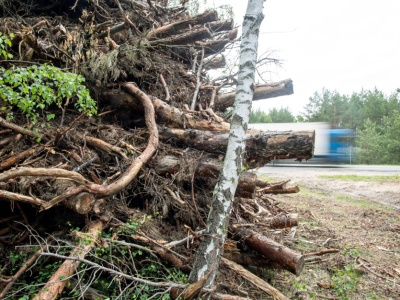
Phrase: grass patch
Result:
[353,177]
[266,178]
[362,203]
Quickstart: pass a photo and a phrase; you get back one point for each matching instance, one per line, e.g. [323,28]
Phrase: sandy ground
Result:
[359,217]
[384,192]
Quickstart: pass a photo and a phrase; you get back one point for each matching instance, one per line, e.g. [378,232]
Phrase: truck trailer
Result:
[330,145]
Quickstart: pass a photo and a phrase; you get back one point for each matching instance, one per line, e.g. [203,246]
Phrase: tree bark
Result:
[208,255]
[283,221]
[178,27]
[262,91]
[285,257]
[261,147]
[279,188]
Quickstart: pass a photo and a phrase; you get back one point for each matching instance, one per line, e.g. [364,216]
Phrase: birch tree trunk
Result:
[210,251]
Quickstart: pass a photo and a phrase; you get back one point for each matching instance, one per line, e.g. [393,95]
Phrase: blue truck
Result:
[333,146]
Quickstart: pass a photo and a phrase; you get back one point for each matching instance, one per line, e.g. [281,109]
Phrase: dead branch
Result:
[198,81]
[21,130]
[57,282]
[13,160]
[21,270]
[42,172]
[102,145]
[253,279]
[77,259]
[22,198]
[322,252]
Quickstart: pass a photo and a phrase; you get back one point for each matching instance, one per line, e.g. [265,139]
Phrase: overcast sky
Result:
[342,45]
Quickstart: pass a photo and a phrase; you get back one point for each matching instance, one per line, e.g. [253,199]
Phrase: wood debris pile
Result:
[155,148]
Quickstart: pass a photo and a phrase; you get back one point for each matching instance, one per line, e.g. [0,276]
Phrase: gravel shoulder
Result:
[358,216]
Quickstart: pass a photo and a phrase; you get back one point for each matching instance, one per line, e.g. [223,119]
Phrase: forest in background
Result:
[373,116]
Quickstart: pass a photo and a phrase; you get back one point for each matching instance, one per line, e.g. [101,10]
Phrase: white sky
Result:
[342,45]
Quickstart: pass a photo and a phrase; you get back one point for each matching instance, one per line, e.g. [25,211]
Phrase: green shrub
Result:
[33,89]
[4,44]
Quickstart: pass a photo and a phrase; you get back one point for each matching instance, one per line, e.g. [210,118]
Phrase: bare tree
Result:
[211,249]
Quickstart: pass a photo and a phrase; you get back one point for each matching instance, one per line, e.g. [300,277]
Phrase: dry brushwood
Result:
[155,148]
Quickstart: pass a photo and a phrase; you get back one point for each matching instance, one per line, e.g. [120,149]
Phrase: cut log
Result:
[276,222]
[261,147]
[282,255]
[205,167]
[178,27]
[215,62]
[283,221]
[246,185]
[184,38]
[247,258]
[263,91]
[81,203]
[279,188]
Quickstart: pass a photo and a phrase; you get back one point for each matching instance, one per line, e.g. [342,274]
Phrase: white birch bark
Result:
[211,249]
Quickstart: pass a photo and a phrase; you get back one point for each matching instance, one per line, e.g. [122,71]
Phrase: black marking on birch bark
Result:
[238,159]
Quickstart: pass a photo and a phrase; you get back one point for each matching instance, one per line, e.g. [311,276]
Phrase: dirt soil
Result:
[357,216]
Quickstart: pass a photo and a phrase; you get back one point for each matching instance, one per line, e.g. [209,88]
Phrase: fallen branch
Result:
[322,252]
[13,160]
[21,270]
[22,198]
[58,280]
[253,279]
[102,145]
[21,130]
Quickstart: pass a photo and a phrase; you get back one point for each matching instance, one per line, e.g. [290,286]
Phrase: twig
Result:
[144,249]
[198,79]
[322,252]
[21,130]
[183,241]
[20,272]
[59,135]
[194,199]
[55,286]
[377,274]
[86,164]
[115,272]
[175,197]
[167,95]
[102,145]
[13,160]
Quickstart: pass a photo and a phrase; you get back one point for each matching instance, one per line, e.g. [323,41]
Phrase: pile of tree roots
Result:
[114,205]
